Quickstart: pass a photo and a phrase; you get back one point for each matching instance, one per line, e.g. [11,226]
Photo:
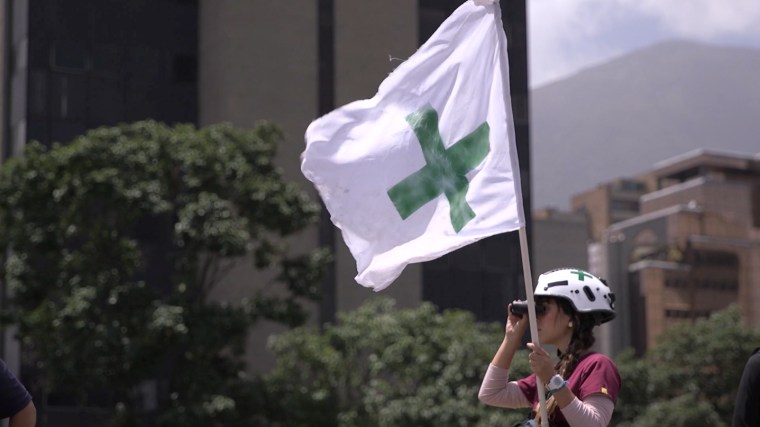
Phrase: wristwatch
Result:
[556,383]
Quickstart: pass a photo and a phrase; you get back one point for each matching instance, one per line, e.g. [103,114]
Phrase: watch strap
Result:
[556,383]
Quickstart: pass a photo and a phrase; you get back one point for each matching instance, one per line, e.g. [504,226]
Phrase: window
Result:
[687,314]
[629,185]
[432,13]
[69,56]
[106,100]
[185,69]
[38,95]
[106,58]
[716,258]
[68,96]
[38,131]
[625,205]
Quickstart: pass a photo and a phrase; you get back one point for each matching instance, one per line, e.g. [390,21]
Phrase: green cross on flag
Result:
[445,171]
[428,165]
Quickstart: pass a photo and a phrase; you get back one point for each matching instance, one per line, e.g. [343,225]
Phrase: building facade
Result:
[609,203]
[693,248]
[77,65]
[560,239]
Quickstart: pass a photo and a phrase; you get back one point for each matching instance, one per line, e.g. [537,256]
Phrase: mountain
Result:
[619,118]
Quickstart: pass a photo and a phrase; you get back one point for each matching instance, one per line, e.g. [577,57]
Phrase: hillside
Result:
[619,118]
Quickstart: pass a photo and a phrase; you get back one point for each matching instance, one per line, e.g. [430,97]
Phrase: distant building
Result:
[560,239]
[73,66]
[609,203]
[70,66]
[693,248]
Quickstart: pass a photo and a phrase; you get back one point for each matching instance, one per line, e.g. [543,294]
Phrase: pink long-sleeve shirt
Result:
[595,382]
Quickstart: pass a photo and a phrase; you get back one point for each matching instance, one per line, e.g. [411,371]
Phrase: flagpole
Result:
[532,319]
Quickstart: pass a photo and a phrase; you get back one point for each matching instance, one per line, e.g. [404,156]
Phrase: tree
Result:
[114,242]
[635,392]
[705,358]
[689,378]
[683,411]
[380,366]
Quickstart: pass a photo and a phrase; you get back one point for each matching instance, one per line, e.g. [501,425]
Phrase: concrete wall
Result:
[560,240]
[367,34]
[596,204]
[259,60]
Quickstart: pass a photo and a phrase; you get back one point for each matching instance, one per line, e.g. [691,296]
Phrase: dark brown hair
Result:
[581,341]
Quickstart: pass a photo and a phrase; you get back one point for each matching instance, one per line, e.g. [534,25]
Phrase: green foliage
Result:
[705,359]
[636,388]
[683,411]
[379,366]
[690,377]
[115,242]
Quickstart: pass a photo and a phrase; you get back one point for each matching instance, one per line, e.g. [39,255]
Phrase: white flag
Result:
[429,164]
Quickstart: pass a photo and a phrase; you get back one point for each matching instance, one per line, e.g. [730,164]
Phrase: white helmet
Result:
[586,292]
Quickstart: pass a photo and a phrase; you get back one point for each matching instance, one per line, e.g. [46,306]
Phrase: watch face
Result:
[555,381]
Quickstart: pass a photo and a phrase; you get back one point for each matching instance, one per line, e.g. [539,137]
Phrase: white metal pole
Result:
[532,319]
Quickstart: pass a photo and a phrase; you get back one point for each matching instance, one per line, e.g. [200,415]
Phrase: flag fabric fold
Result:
[429,164]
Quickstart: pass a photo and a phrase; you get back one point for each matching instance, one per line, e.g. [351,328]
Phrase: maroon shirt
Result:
[595,373]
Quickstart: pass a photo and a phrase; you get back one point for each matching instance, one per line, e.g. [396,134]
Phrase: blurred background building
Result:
[560,239]
[69,66]
[76,65]
[677,243]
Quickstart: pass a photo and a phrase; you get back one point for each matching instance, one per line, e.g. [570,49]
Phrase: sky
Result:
[568,35]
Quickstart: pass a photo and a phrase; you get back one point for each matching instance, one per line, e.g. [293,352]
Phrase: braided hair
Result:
[581,341]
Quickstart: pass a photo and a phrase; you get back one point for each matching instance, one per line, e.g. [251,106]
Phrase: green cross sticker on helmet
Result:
[581,274]
[585,292]
[445,169]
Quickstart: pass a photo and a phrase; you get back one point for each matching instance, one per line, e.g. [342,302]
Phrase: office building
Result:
[609,203]
[560,239]
[692,249]
[75,65]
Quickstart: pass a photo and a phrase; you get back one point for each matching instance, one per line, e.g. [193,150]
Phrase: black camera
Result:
[520,308]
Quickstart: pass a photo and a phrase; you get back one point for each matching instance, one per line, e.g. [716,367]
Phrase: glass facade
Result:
[81,64]
[74,65]
[326,96]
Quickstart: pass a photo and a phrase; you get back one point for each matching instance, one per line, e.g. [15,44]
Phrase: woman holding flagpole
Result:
[582,386]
